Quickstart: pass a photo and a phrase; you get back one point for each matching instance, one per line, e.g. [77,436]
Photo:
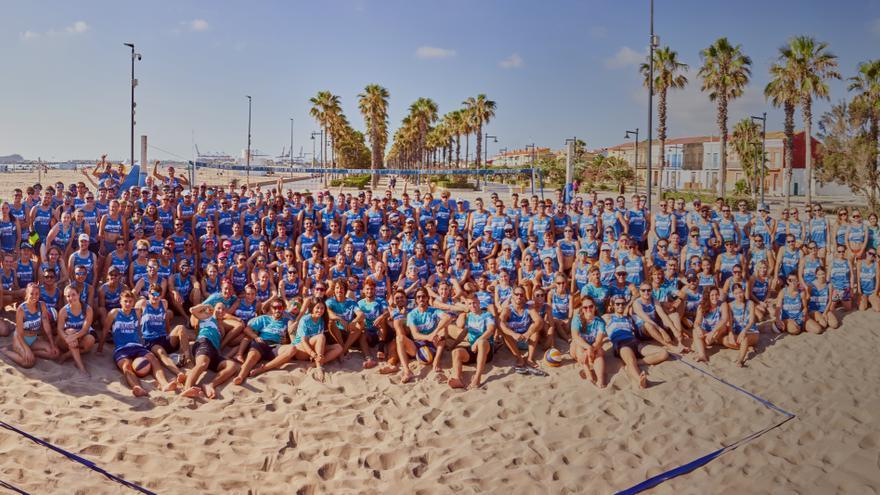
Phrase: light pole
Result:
[654,42]
[532,147]
[248,156]
[636,166]
[486,155]
[134,56]
[763,119]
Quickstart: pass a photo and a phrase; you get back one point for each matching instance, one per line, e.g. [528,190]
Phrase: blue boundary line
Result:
[702,461]
[85,462]
[11,487]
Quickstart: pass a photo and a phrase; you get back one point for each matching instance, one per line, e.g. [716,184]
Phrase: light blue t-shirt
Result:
[424,321]
[344,309]
[590,331]
[208,329]
[308,328]
[270,329]
[218,297]
[477,325]
[372,310]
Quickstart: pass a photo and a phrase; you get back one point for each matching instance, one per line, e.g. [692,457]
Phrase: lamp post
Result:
[486,155]
[654,42]
[635,133]
[532,147]
[248,156]
[763,119]
[134,56]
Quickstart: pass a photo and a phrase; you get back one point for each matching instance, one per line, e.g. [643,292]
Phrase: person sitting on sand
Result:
[372,316]
[868,281]
[402,348]
[75,334]
[821,304]
[428,328]
[621,331]
[206,352]
[479,328]
[265,333]
[712,322]
[521,330]
[791,307]
[744,333]
[123,324]
[30,318]
[587,338]
[308,343]
[154,320]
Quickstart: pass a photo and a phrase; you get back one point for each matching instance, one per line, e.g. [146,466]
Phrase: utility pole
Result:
[134,56]
[654,43]
[248,156]
[763,119]
[636,166]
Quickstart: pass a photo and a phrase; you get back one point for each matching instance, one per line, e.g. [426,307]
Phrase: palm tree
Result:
[745,134]
[482,110]
[782,91]
[813,65]
[423,113]
[466,129]
[667,75]
[454,120]
[725,72]
[867,83]
[373,104]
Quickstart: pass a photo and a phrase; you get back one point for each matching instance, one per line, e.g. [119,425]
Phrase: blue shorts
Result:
[164,342]
[129,351]
[842,295]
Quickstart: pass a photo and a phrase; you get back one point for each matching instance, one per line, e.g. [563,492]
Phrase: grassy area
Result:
[709,197]
[359,181]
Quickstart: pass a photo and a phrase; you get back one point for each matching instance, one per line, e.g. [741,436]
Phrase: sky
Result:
[555,69]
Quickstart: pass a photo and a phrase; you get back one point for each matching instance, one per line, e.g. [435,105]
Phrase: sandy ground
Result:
[359,433]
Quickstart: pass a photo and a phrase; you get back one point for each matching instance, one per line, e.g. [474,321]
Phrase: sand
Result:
[284,432]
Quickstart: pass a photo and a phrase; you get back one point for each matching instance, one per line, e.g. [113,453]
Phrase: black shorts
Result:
[204,347]
[267,351]
[163,342]
[643,245]
[472,356]
[374,339]
[631,343]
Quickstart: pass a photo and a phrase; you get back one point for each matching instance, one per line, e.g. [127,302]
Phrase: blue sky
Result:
[556,69]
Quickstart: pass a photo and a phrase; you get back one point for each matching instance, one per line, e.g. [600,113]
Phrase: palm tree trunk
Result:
[374,162]
[467,144]
[722,127]
[808,159]
[661,133]
[479,144]
[457,150]
[789,153]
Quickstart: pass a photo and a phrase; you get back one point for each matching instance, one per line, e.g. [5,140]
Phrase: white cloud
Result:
[875,26]
[428,52]
[512,62]
[78,27]
[197,25]
[624,57]
[598,31]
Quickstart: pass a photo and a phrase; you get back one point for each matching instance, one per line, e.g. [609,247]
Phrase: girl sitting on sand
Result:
[206,352]
[479,327]
[620,330]
[587,338]
[711,323]
[30,319]
[744,333]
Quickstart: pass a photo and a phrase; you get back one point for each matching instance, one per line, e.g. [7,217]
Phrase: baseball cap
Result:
[763,207]
[83,237]
[620,269]
[605,247]
[26,245]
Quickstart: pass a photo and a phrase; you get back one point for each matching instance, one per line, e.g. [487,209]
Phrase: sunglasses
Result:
[155,294]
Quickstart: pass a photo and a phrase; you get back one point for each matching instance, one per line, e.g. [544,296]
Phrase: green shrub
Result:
[708,197]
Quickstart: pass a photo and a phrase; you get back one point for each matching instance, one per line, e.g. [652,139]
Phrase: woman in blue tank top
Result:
[744,334]
[620,330]
[711,323]
[820,307]
[868,281]
[31,320]
[75,329]
[857,235]
[791,307]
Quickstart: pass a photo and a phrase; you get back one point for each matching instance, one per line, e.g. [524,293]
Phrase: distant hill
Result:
[11,159]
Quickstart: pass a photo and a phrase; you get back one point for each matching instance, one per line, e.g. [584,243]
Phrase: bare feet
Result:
[238,380]
[139,391]
[440,376]
[170,386]
[531,363]
[643,380]
[256,371]
[210,391]
[406,377]
[370,363]
[475,383]
[181,378]
[192,392]
[455,383]
[387,370]
[319,374]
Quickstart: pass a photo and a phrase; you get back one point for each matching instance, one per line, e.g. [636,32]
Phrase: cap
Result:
[605,247]
[83,237]
[184,263]
[620,269]
[583,251]
[763,207]
[187,193]
[691,276]
[210,192]
[145,189]
[25,245]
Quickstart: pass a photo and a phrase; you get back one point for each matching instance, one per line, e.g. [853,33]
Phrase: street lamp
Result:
[314,156]
[248,157]
[486,155]
[763,119]
[654,42]
[134,56]
[532,147]
[636,166]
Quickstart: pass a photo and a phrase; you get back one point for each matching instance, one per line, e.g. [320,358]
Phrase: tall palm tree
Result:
[455,121]
[745,134]
[423,113]
[813,66]
[867,83]
[667,75]
[782,92]
[725,73]
[373,104]
[482,110]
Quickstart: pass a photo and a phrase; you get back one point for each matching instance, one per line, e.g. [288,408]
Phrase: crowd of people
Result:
[256,279]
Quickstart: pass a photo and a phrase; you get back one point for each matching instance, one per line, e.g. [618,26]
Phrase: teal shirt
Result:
[308,328]
[270,329]
[424,321]
[590,331]
[345,309]
[477,325]
[208,329]
[218,297]
[598,294]
[372,310]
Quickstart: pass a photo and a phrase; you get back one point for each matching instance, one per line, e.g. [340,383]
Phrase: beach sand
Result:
[358,433]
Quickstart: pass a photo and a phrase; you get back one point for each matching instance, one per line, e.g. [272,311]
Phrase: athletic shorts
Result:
[842,295]
[374,339]
[129,351]
[162,341]
[204,347]
[472,355]
[267,351]
[631,343]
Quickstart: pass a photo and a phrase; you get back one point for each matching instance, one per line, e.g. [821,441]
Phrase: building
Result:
[519,158]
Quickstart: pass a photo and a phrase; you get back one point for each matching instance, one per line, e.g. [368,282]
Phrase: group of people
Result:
[258,278]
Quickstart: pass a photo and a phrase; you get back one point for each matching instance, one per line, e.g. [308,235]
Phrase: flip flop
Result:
[535,372]
[521,370]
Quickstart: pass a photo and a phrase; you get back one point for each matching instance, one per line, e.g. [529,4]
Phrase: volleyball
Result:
[141,367]
[425,354]
[553,357]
